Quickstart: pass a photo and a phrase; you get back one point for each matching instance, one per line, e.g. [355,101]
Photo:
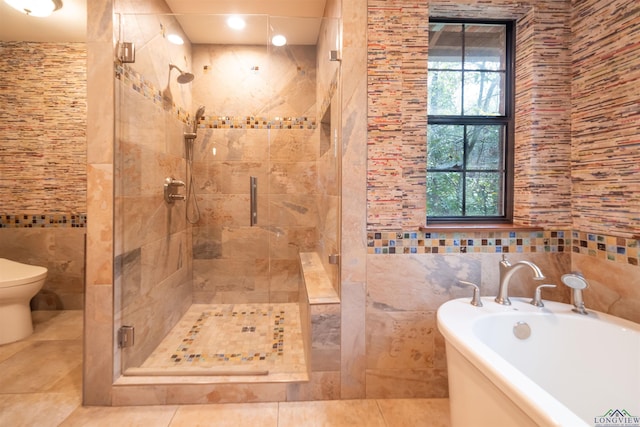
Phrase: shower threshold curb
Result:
[213,378]
[202,372]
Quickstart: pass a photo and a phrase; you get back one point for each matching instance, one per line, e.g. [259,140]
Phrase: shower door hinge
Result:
[126,52]
[125,336]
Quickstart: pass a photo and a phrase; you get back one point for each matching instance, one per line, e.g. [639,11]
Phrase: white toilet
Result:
[18,284]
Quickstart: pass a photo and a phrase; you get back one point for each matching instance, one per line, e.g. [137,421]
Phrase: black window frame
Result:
[508,120]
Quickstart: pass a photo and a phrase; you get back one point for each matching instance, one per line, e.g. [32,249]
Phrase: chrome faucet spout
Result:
[506,272]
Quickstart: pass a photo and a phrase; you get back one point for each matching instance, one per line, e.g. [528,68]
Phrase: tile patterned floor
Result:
[48,394]
[233,338]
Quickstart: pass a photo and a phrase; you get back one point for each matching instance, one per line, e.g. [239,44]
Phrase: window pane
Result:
[483,93]
[483,194]
[445,93]
[444,194]
[468,117]
[445,46]
[445,146]
[485,47]
[485,147]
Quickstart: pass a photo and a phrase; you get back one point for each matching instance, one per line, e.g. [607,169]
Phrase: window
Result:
[470,121]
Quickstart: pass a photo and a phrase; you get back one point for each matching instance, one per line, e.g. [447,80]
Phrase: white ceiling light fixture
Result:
[175,39]
[236,22]
[279,40]
[39,8]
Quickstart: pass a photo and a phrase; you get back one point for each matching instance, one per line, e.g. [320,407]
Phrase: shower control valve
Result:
[171,190]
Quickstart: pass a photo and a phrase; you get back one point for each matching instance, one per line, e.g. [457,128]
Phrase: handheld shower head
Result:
[183,77]
[190,136]
[198,116]
[200,112]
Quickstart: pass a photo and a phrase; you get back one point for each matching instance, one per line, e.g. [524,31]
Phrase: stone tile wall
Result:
[43,97]
[605,118]
[605,150]
[152,240]
[397,63]
[43,116]
[568,150]
[328,96]
[260,120]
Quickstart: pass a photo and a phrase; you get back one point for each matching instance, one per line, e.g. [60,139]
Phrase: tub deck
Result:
[571,370]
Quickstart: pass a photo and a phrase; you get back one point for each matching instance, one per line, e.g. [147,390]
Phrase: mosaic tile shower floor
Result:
[232,339]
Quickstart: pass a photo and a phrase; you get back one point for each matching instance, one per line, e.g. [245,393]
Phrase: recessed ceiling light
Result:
[236,22]
[279,40]
[39,8]
[175,39]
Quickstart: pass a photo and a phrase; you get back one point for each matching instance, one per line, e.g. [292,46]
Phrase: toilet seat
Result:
[14,273]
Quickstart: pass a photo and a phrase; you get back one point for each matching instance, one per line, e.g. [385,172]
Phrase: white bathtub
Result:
[573,370]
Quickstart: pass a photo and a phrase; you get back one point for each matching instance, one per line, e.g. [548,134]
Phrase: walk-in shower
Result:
[205,291]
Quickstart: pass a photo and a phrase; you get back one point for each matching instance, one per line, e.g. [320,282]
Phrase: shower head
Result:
[183,77]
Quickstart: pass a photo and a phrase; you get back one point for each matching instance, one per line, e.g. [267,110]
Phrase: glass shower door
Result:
[153,271]
[262,186]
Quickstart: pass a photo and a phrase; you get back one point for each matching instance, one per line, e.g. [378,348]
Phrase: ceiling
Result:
[195,16]
[68,24]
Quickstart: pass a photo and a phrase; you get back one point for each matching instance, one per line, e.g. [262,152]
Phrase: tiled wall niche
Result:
[43,109]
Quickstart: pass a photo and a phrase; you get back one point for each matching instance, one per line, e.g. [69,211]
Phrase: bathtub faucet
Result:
[506,271]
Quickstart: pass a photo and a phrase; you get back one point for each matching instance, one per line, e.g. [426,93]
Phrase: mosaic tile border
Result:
[136,81]
[472,242]
[250,122]
[144,87]
[612,248]
[184,355]
[44,221]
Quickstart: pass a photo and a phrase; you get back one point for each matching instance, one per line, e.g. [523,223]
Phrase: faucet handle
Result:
[475,301]
[537,298]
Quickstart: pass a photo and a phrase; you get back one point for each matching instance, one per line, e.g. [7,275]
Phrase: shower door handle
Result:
[253,190]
